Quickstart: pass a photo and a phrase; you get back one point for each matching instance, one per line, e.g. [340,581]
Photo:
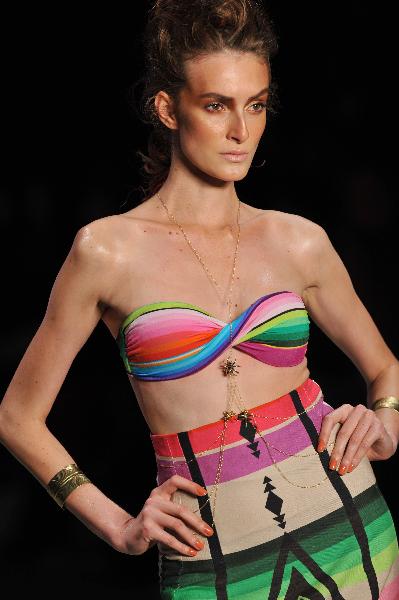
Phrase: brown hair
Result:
[178,30]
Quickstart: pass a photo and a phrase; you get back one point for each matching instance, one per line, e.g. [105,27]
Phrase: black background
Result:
[68,141]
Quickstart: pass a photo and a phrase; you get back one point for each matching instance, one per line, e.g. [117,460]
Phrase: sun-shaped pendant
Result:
[229,367]
[245,415]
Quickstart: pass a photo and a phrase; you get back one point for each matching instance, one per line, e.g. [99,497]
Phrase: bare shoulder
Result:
[104,240]
[303,243]
[97,251]
[294,230]
[108,247]
[96,238]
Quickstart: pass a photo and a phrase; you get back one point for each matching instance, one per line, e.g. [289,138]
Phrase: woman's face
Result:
[222,109]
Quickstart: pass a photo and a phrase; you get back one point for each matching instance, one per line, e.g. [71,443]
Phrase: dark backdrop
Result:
[68,146]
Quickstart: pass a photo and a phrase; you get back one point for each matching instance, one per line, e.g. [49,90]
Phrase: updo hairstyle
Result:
[178,30]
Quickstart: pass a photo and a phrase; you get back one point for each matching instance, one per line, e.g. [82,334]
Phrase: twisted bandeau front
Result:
[169,340]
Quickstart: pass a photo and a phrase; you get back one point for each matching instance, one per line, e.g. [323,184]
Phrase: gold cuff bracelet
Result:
[64,482]
[387,402]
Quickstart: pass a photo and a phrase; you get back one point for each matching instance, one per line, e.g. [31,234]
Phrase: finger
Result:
[184,533]
[177,482]
[171,485]
[358,418]
[373,434]
[170,540]
[328,423]
[151,529]
[356,444]
[184,513]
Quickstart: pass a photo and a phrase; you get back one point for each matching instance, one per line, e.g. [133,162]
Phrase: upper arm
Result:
[72,312]
[335,307]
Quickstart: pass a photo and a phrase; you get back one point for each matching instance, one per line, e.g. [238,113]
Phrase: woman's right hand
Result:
[140,533]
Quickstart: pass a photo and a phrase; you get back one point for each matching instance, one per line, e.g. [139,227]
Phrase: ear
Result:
[166,110]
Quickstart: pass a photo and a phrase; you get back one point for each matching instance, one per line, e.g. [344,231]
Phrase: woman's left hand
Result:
[361,434]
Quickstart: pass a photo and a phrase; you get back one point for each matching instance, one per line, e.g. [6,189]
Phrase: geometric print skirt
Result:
[273,540]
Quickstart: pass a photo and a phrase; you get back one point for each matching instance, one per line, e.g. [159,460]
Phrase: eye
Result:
[262,106]
[213,104]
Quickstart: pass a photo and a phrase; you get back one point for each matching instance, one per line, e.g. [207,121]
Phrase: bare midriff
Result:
[189,402]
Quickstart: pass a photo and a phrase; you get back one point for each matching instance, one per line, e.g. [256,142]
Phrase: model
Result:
[264,490]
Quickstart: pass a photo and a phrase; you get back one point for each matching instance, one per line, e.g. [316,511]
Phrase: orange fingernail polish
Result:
[333,465]
[321,447]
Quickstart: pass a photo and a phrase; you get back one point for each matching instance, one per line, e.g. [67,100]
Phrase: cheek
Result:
[257,128]
[199,134]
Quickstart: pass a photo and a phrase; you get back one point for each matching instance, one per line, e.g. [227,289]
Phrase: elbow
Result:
[7,425]
[12,426]
[3,421]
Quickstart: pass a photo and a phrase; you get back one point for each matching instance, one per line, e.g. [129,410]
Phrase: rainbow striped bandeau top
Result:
[168,340]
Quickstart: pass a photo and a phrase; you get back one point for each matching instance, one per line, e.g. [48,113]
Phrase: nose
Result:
[237,129]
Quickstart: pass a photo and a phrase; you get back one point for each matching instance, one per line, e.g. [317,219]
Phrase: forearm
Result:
[35,447]
[386,384]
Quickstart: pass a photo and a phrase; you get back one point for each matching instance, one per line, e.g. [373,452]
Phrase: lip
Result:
[235,156]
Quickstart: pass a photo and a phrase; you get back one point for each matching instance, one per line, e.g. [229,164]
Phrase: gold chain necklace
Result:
[172,218]
[229,368]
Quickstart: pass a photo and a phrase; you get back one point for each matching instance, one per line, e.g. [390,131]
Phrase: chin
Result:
[235,174]
[226,177]
[234,177]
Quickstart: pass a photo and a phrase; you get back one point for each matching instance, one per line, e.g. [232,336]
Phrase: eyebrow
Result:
[227,98]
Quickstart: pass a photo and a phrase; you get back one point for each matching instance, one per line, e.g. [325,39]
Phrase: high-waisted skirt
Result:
[286,526]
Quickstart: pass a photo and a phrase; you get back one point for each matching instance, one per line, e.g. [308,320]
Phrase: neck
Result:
[210,204]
